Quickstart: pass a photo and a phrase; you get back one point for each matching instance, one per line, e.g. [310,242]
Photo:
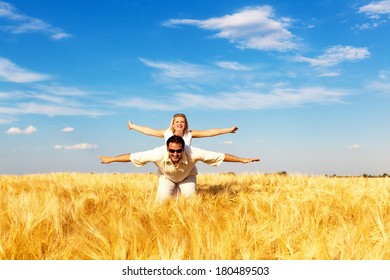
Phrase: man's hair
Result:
[176,139]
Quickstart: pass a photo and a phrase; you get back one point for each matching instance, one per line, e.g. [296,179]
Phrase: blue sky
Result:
[306,82]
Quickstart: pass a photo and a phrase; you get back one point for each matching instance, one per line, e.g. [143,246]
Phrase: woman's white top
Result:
[187,137]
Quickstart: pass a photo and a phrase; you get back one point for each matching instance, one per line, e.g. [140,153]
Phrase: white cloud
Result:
[14,130]
[378,13]
[329,74]
[382,84]
[5,121]
[251,28]
[227,142]
[28,130]
[68,129]
[8,11]
[61,90]
[178,70]
[384,75]
[184,76]
[51,110]
[367,26]
[376,8]
[257,101]
[59,35]
[11,72]
[145,104]
[51,101]
[25,24]
[49,106]
[243,100]
[354,146]
[232,65]
[335,55]
[82,146]
[8,110]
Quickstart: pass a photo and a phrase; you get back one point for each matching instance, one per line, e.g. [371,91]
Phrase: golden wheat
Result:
[246,216]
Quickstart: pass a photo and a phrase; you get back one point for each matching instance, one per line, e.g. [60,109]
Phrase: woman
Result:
[179,127]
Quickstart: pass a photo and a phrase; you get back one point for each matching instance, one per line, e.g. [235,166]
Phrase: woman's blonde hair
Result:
[185,122]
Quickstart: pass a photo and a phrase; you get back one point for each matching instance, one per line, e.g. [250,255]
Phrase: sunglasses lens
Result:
[175,151]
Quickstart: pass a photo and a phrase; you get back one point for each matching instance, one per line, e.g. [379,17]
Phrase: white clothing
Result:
[190,156]
[187,137]
[167,188]
[181,176]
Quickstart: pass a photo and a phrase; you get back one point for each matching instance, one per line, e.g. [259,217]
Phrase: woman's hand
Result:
[130,125]
[233,129]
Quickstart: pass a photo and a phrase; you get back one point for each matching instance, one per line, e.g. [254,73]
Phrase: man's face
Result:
[175,151]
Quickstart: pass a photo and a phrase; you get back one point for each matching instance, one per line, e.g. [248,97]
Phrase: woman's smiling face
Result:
[179,124]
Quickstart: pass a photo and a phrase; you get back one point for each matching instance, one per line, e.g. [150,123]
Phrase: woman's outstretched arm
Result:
[213,132]
[146,130]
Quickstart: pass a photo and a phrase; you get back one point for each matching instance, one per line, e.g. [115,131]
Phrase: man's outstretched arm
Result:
[231,158]
[120,158]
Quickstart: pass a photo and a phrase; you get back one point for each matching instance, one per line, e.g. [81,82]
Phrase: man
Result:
[176,164]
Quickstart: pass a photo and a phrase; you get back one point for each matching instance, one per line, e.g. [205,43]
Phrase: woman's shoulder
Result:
[168,131]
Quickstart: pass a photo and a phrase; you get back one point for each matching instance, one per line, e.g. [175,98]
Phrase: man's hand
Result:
[120,158]
[247,160]
[231,158]
[105,159]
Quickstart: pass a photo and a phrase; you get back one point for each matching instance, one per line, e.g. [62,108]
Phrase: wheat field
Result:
[72,216]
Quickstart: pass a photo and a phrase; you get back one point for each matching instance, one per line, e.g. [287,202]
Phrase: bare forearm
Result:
[231,158]
[146,130]
[110,159]
[213,132]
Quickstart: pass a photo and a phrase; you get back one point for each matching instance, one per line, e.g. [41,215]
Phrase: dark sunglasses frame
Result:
[172,151]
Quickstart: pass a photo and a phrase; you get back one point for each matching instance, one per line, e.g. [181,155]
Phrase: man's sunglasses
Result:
[172,151]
